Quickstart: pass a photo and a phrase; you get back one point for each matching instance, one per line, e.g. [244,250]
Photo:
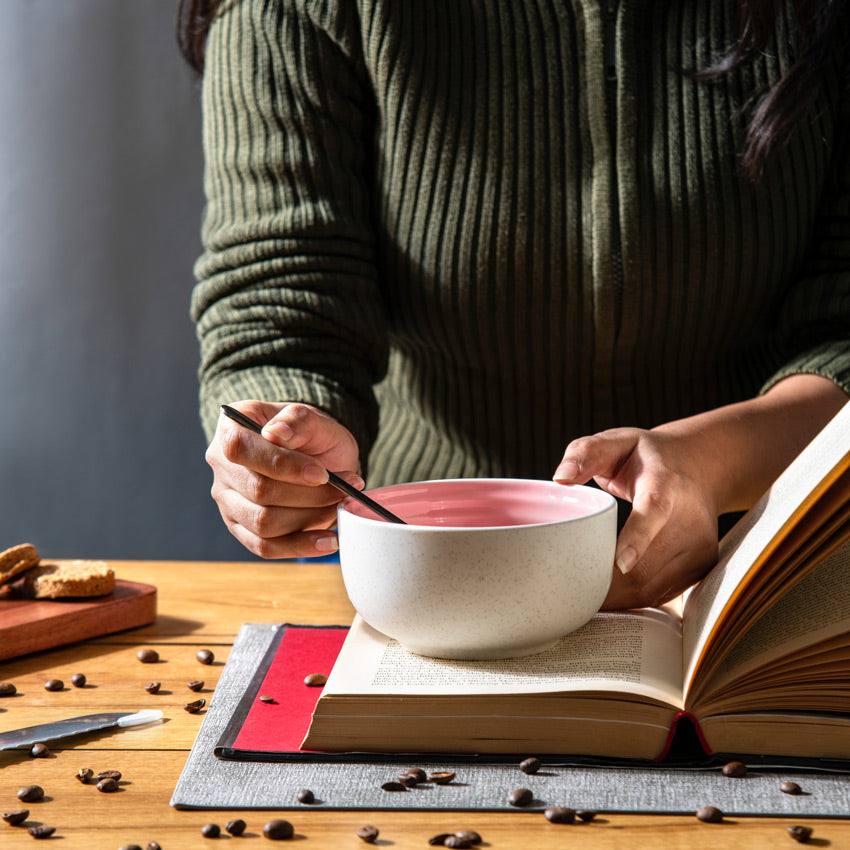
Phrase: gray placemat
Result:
[208,782]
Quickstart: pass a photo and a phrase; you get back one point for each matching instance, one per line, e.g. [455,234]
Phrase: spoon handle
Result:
[333,478]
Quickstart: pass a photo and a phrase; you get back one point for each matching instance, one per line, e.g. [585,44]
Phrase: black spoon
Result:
[339,483]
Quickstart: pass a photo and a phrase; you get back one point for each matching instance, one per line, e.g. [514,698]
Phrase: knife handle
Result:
[148,715]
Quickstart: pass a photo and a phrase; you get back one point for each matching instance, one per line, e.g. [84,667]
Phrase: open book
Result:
[757,654]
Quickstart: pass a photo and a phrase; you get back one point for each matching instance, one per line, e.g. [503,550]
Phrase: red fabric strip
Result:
[280,726]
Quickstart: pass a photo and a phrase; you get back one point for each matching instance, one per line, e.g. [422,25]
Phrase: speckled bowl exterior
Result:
[479,592]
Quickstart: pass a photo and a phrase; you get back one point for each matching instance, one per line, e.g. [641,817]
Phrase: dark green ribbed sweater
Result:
[491,226]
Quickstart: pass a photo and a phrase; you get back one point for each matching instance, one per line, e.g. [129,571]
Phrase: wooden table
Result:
[203,605]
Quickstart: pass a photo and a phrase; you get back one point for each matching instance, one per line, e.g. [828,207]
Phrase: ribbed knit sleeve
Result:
[287,305]
[815,318]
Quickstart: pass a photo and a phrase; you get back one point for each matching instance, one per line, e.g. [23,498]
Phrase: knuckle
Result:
[264,548]
[581,447]
[232,444]
[658,499]
[297,410]
[209,455]
[263,521]
[259,489]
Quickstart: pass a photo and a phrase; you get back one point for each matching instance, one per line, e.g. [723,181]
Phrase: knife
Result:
[21,738]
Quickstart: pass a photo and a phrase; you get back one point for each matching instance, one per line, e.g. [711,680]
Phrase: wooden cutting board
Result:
[30,625]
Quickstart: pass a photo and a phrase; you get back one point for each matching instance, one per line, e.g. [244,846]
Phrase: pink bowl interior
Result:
[482,503]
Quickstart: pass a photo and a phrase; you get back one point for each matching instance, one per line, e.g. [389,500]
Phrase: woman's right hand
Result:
[271,490]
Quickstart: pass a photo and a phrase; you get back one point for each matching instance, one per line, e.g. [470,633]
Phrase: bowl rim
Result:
[400,529]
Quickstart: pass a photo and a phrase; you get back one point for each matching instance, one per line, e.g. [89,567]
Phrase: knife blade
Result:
[16,739]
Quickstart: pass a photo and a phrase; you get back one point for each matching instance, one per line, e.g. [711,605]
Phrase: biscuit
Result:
[17,560]
[62,579]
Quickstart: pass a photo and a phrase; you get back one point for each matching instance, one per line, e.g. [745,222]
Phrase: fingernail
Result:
[357,482]
[314,474]
[278,429]
[626,560]
[327,544]
[566,471]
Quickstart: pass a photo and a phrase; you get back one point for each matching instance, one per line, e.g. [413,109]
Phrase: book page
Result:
[815,610]
[747,545]
[635,652]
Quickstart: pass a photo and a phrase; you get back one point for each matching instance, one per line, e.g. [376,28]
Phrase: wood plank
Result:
[31,625]
[210,601]
[87,819]
[116,681]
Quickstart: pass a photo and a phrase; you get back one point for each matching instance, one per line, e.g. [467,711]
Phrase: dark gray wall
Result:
[101,452]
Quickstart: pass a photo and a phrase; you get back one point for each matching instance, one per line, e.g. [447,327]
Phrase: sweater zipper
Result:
[610,8]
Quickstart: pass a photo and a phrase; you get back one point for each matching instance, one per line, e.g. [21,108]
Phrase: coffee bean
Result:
[802,834]
[194,707]
[585,815]
[39,751]
[7,689]
[16,818]
[148,656]
[78,680]
[559,814]
[153,845]
[469,835]
[709,814]
[408,780]
[439,840]
[153,687]
[734,768]
[420,774]
[394,786]
[41,831]
[211,830]
[520,797]
[235,827]
[278,830]
[195,686]
[54,685]
[789,787]
[441,777]
[530,766]
[315,680]
[454,841]
[84,774]
[31,794]
[108,774]
[306,796]
[368,833]
[205,656]
[266,698]
[107,785]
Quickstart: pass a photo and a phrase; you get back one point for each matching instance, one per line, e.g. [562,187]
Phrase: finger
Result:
[262,490]
[269,522]
[302,544]
[647,587]
[244,447]
[600,454]
[652,506]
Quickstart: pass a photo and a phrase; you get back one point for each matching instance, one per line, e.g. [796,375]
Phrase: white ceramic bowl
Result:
[485,568]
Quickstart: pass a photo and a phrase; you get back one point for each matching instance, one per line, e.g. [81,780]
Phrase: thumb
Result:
[306,428]
[601,454]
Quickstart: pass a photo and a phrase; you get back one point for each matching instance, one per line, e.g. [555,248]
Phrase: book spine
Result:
[683,717]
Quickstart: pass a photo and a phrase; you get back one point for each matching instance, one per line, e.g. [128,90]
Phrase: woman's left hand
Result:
[670,539]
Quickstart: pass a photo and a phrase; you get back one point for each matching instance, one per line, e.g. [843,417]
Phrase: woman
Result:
[521,231]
